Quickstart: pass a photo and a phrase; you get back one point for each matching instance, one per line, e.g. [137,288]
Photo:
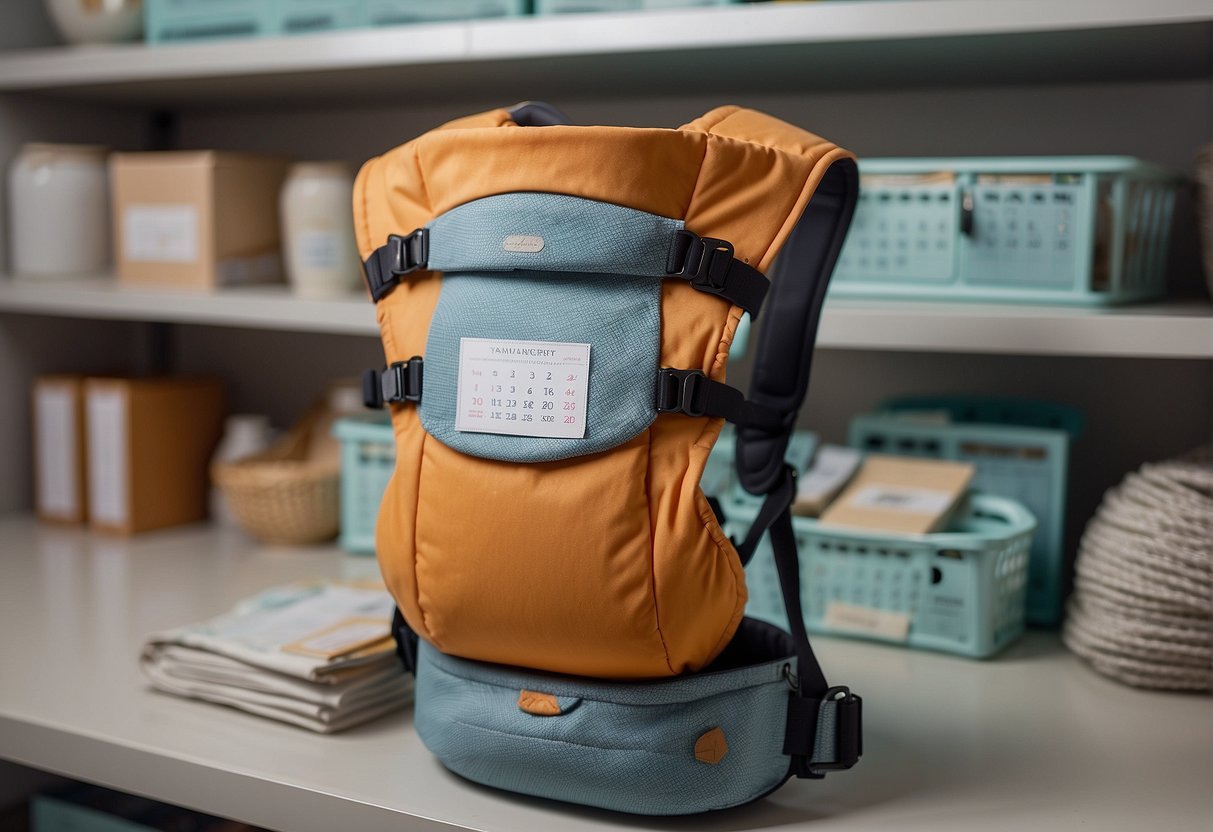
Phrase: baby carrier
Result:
[557,304]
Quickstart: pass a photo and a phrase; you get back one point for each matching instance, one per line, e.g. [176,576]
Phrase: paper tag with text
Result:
[522,388]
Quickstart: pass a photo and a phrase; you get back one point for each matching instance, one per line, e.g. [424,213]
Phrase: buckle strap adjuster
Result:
[402,381]
[400,255]
[703,261]
[678,391]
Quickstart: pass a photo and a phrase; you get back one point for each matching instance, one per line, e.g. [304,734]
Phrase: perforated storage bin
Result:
[960,591]
[368,457]
[1082,229]
[183,20]
[1020,449]
[578,6]
[392,12]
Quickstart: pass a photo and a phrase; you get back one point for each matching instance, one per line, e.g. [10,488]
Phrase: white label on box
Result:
[160,233]
[902,498]
[55,418]
[867,621]
[832,467]
[241,271]
[107,457]
[523,388]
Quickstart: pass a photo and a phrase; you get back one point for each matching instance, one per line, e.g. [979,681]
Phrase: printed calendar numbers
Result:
[522,388]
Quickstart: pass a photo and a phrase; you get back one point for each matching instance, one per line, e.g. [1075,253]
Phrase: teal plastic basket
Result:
[167,21]
[961,591]
[1078,229]
[368,457]
[1019,448]
[580,6]
[392,12]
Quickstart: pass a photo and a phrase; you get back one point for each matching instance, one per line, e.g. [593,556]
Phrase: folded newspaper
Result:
[319,655]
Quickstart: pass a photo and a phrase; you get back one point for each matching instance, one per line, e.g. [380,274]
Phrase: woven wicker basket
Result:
[289,494]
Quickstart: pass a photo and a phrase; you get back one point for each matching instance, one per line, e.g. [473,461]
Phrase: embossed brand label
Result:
[529,243]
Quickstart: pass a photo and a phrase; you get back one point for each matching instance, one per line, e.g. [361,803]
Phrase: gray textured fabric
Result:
[627,747]
[579,235]
[618,316]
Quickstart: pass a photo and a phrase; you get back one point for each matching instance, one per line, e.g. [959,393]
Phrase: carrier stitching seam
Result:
[529,737]
[477,681]
[648,459]
[425,617]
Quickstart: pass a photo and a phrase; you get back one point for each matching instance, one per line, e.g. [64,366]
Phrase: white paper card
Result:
[903,498]
[160,233]
[522,388]
[832,468]
[867,621]
[107,457]
[55,413]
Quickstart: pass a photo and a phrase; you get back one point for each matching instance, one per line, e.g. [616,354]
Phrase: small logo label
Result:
[528,243]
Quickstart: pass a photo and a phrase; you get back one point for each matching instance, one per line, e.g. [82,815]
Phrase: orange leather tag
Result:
[539,704]
[711,747]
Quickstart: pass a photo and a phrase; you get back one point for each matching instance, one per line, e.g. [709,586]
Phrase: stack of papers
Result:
[318,655]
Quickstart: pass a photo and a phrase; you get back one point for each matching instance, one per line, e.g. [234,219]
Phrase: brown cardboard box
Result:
[196,218]
[59,451]
[149,443]
[897,494]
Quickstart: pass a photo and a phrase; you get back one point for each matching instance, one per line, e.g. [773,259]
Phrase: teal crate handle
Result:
[994,410]
[1014,514]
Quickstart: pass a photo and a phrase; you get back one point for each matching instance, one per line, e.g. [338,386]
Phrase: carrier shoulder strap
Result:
[824,726]
[808,249]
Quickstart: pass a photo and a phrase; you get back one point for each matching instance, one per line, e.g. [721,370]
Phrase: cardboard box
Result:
[901,495]
[149,445]
[59,449]
[196,218]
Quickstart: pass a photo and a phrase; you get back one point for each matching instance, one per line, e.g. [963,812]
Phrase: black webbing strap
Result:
[406,641]
[784,353]
[706,263]
[400,382]
[709,265]
[824,730]
[693,393]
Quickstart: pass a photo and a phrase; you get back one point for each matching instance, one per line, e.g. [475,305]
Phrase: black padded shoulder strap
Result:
[785,344]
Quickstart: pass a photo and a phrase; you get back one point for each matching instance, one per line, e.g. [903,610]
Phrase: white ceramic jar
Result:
[318,229]
[59,210]
[97,21]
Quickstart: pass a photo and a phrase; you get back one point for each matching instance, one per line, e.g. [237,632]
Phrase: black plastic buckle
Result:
[848,729]
[399,256]
[704,261]
[401,382]
[372,393]
[678,391]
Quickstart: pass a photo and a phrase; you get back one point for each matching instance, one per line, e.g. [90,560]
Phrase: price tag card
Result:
[523,388]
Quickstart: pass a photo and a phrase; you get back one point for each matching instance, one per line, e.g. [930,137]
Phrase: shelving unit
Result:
[1028,740]
[950,744]
[1156,330]
[1071,41]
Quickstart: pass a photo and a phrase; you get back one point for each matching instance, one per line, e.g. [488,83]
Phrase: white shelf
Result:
[1029,740]
[260,307]
[1163,330]
[824,45]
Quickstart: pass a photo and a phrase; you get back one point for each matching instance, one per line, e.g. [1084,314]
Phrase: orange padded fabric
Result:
[610,565]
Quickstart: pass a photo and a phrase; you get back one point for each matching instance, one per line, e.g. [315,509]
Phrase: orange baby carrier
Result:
[557,304]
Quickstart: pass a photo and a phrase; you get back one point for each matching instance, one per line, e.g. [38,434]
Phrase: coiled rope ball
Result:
[1142,607]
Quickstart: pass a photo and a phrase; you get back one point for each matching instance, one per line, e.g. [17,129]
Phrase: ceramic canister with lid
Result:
[318,229]
[59,209]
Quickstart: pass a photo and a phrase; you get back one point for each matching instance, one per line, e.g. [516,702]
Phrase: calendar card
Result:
[523,388]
